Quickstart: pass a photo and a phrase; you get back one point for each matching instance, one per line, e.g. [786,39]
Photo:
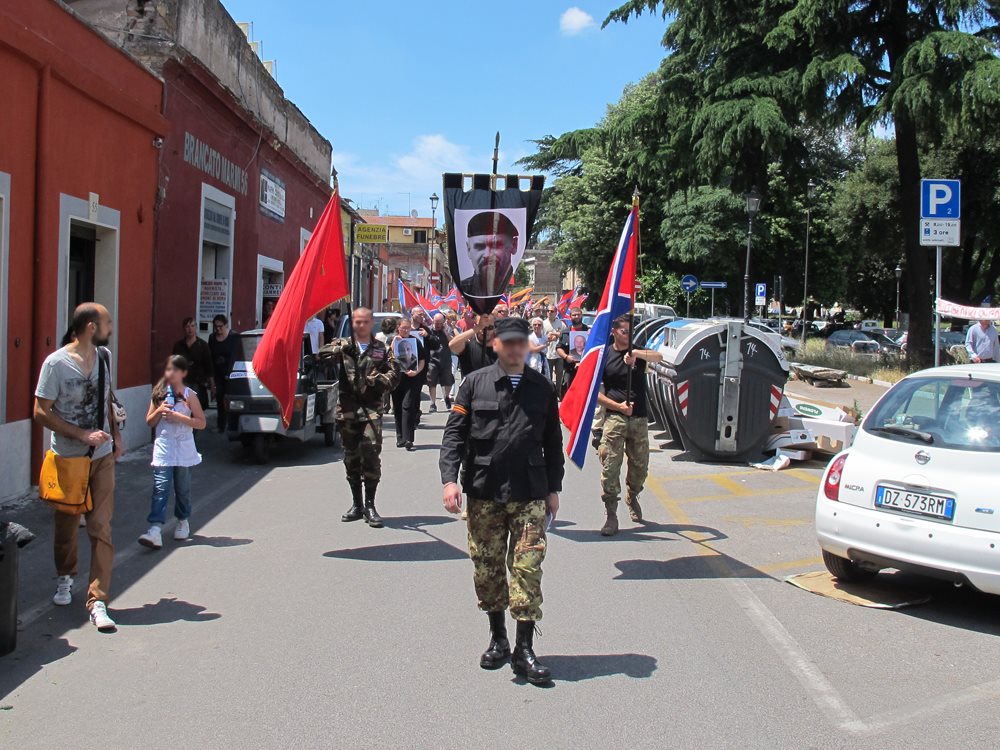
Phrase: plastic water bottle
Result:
[170,400]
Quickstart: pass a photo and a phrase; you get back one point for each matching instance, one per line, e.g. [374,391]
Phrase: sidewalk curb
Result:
[872,381]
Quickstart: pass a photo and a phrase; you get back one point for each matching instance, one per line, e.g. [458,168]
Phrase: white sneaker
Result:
[99,616]
[152,538]
[64,591]
[183,530]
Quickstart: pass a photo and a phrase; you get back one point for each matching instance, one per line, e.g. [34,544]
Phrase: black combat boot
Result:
[524,662]
[498,652]
[372,518]
[356,513]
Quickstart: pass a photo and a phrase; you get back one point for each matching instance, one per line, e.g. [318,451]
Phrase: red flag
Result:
[319,278]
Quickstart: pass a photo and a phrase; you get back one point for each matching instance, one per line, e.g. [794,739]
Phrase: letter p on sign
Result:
[940,199]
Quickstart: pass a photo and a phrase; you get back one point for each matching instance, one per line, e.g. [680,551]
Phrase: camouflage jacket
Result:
[363,377]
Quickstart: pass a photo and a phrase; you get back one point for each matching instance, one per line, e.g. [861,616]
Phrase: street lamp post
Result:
[753,208]
[899,275]
[430,240]
[810,192]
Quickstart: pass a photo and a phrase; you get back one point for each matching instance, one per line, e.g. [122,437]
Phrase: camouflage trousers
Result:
[508,537]
[362,447]
[624,437]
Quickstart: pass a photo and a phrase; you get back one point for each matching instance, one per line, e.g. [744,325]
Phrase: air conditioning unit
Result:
[407,232]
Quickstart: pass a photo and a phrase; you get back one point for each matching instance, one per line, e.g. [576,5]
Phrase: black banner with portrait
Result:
[488,231]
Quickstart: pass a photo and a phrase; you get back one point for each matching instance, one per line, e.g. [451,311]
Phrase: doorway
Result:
[270,283]
[82,266]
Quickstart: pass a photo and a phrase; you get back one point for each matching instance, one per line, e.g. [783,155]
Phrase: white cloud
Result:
[574,21]
[401,182]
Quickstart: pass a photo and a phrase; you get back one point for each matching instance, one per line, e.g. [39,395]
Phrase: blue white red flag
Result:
[408,299]
[577,407]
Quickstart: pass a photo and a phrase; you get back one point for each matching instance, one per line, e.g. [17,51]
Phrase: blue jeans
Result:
[165,477]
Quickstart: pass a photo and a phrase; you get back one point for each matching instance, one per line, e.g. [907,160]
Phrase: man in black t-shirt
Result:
[225,346]
[474,348]
[626,426]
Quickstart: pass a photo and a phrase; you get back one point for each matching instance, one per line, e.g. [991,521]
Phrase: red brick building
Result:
[244,176]
[78,181]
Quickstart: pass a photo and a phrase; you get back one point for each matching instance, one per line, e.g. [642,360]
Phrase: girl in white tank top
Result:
[174,414]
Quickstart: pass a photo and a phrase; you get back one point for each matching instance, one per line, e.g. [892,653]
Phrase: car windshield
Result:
[956,412]
[250,343]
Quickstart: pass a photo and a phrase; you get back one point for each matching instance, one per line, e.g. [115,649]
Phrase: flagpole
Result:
[631,326]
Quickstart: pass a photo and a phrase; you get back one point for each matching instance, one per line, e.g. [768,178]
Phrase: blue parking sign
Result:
[940,199]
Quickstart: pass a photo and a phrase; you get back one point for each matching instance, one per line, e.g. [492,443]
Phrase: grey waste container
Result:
[12,538]
[724,383]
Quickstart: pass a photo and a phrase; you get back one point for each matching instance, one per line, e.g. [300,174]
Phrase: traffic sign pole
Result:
[713,301]
[688,315]
[936,317]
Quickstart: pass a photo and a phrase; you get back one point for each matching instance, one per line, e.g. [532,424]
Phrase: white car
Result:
[919,489]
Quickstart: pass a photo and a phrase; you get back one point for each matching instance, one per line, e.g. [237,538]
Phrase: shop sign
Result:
[371,233]
[217,223]
[272,196]
[199,154]
[214,298]
[272,290]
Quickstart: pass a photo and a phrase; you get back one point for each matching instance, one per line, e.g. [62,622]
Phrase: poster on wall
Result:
[213,299]
[488,231]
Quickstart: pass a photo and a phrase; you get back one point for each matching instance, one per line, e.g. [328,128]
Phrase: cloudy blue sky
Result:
[407,90]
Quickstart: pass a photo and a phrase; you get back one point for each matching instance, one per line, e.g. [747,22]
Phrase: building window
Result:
[420,236]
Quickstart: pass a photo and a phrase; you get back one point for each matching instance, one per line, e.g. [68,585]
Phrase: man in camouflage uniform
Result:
[626,423]
[366,370]
[503,436]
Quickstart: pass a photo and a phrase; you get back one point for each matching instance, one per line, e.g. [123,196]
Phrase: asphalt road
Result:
[279,626]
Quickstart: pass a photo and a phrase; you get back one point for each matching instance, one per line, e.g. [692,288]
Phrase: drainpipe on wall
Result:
[41,343]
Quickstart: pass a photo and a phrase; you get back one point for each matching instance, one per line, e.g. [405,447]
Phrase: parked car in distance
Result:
[869,325]
[916,491]
[644,310]
[886,344]
[857,341]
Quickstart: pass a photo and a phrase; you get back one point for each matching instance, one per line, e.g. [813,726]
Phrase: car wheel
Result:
[845,570]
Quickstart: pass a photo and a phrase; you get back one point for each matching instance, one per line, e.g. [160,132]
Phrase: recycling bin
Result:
[723,385]
[12,538]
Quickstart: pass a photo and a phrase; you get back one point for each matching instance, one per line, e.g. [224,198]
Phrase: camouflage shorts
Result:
[362,449]
[624,437]
[508,537]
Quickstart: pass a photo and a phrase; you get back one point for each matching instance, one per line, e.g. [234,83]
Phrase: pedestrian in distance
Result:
[315,329]
[566,349]
[981,342]
[626,423]
[200,370]
[553,328]
[504,443]
[174,414]
[225,347]
[411,352]
[439,365]
[68,402]
[537,345]
[366,371]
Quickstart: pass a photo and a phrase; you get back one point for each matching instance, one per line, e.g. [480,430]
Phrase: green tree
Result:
[749,73]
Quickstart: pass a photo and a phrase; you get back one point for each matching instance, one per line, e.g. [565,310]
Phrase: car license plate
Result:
[917,503]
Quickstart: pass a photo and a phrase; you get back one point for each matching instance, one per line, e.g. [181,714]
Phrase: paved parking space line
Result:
[932,706]
[726,483]
[678,515]
[693,477]
[748,494]
[804,475]
[823,693]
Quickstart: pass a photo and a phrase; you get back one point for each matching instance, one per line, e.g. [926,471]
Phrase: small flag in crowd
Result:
[577,407]
[319,278]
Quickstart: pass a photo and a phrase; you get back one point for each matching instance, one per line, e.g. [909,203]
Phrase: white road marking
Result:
[823,693]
